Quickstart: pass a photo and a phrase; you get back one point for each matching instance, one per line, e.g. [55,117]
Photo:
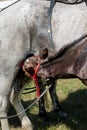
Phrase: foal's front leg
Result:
[56,105]
[42,111]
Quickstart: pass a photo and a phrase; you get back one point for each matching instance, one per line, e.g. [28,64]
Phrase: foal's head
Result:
[31,63]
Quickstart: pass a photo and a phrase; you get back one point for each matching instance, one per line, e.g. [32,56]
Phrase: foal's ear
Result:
[44,54]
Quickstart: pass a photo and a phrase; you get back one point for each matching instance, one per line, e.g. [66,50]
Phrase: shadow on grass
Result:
[75,106]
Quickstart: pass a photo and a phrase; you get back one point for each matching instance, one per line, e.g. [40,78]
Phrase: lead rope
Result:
[9,5]
[50,10]
[35,101]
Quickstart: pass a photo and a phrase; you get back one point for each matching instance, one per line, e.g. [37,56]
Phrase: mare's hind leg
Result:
[16,102]
[56,105]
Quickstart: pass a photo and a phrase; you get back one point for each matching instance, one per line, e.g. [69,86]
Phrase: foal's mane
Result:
[64,49]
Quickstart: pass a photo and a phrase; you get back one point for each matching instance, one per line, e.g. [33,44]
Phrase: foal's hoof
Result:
[44,117]
[62,114]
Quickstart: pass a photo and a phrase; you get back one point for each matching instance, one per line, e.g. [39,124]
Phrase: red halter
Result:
[34,77]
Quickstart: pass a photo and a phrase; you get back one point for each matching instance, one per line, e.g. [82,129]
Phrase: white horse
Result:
[24,25]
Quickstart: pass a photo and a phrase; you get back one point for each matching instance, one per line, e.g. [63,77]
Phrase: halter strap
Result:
[34,77]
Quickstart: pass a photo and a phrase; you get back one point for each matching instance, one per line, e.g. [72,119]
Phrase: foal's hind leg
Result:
[56,105]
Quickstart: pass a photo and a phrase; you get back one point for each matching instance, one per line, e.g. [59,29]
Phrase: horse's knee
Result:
[3,104]
[16,102]
[3,112]
[26,124]
[54,97]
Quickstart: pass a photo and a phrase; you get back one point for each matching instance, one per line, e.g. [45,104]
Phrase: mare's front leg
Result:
[56,105]
[4,101]
[3,111]
[16,102]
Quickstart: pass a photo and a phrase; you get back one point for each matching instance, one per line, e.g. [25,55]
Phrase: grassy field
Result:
[73,98]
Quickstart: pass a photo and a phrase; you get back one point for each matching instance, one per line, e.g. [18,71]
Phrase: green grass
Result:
[73,98]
